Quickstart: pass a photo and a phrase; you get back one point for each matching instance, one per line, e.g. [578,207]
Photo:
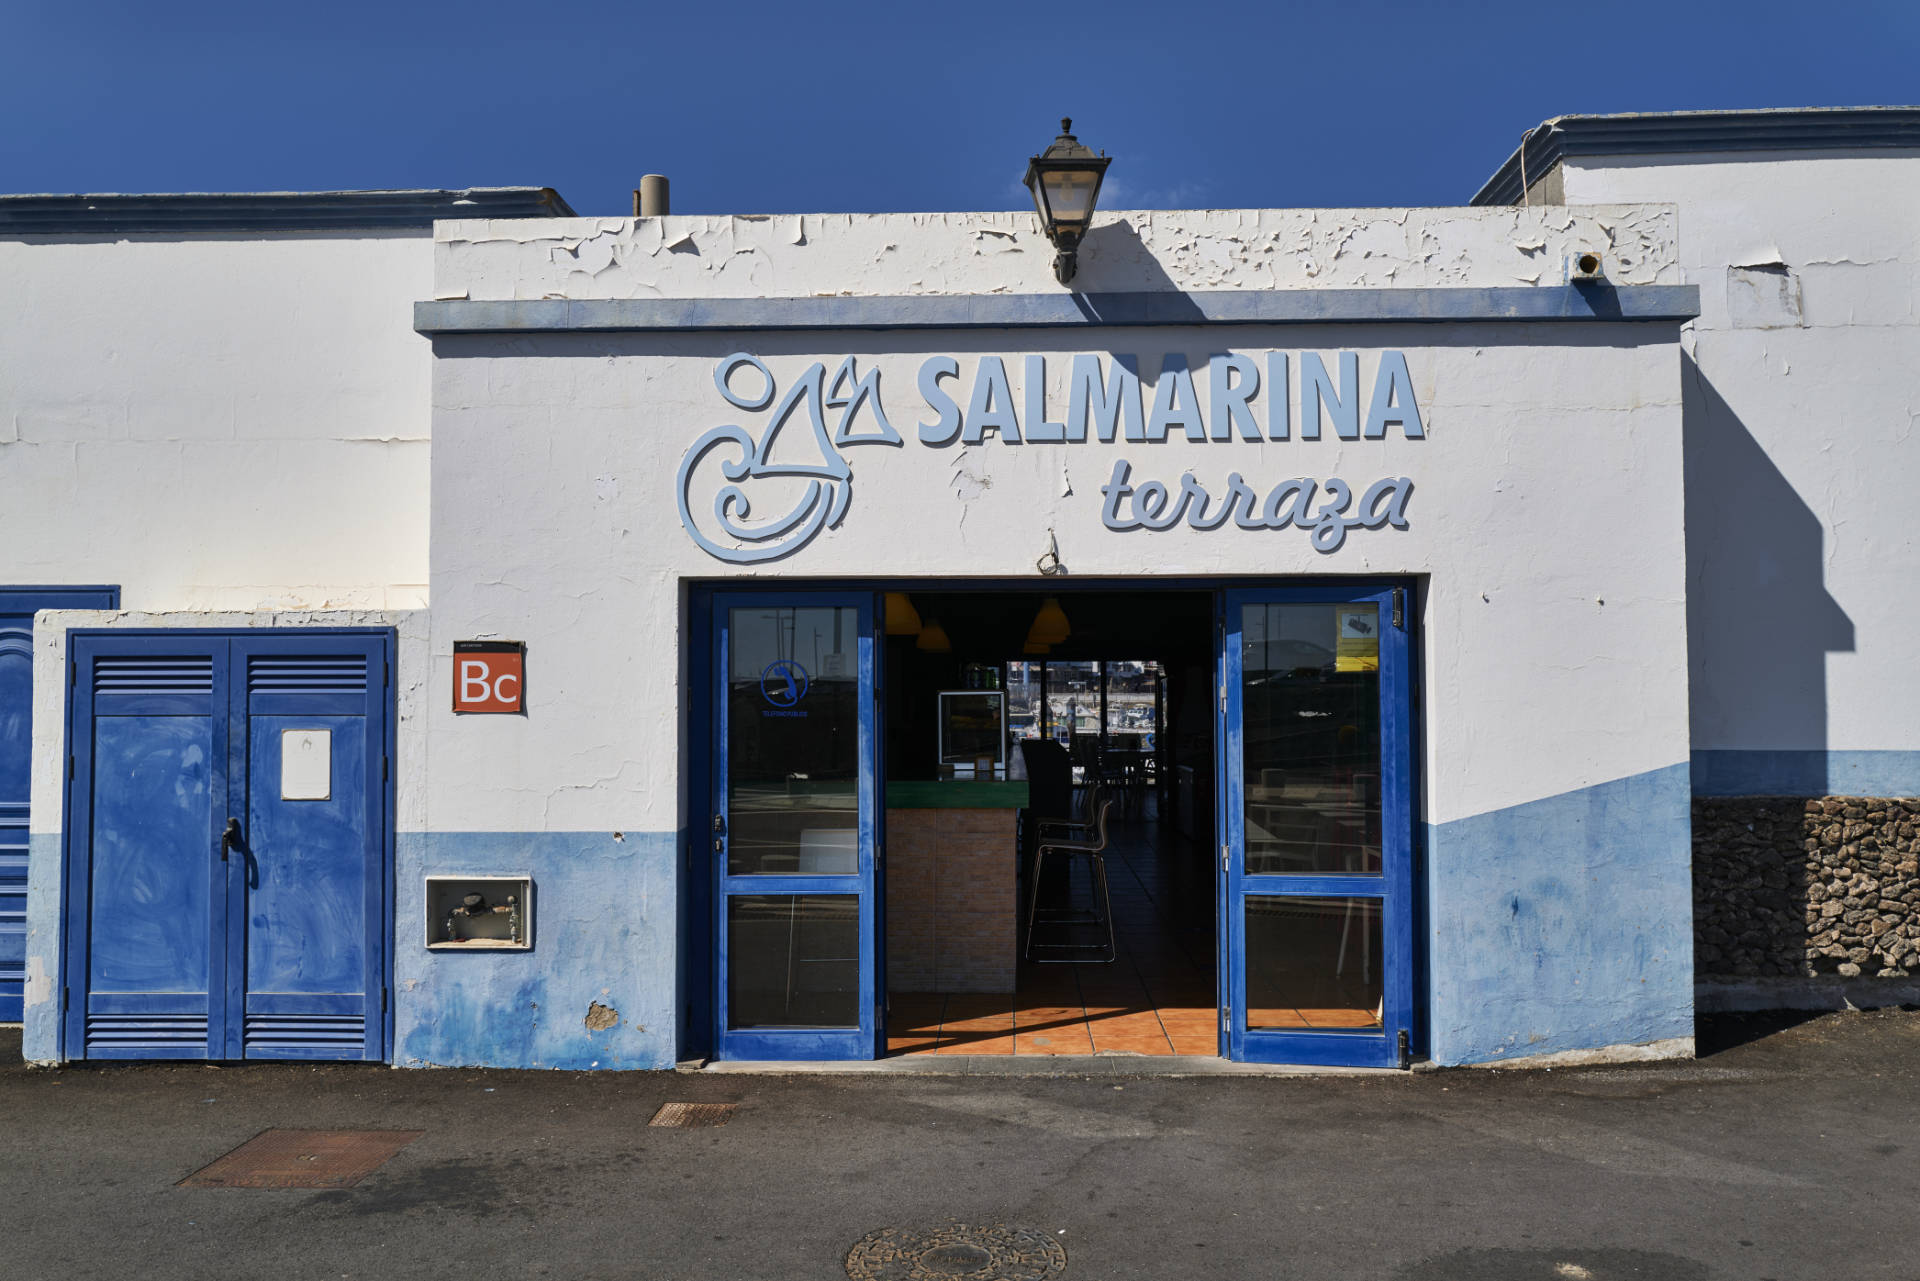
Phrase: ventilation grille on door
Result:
[140,1031]
[322,674]
[305,1031]
[13,885]
[145,674]
[13,836]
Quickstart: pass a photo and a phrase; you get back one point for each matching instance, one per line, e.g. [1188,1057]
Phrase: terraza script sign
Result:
[1108,402]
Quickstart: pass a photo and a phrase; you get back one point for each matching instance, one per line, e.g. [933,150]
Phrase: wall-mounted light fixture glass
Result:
[1065,182]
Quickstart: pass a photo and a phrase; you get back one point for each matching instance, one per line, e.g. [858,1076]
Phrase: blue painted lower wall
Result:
[1564,923]
[1729,772]
[603,932]
[40,1021]
[1561,924]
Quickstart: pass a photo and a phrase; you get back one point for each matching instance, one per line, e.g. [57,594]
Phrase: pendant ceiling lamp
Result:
[933,638]
[1035,647]
[1050,624]
[902,618]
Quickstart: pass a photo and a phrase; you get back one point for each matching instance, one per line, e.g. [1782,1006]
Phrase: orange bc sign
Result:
[489,676]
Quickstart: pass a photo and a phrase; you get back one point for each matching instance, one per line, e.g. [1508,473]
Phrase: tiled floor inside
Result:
[1156,997]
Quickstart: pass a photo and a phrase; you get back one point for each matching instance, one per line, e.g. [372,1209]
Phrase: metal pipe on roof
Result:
[650,198]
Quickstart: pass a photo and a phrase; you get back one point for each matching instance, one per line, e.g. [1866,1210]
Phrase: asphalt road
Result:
[1790,1153]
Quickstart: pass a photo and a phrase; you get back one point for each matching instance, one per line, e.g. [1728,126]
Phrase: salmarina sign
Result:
[1107,402]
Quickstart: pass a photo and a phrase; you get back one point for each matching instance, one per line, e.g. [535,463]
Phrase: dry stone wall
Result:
[1789,887]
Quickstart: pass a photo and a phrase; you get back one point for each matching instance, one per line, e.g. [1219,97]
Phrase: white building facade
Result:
[1475,555]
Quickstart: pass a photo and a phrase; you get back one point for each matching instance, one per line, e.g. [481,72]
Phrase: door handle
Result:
[229,838]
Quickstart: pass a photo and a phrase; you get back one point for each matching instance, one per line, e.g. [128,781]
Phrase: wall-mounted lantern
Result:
[1065,182]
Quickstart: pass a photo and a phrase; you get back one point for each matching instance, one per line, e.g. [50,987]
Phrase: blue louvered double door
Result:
[226,890]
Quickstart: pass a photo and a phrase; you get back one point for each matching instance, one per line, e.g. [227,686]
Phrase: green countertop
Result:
[958,794]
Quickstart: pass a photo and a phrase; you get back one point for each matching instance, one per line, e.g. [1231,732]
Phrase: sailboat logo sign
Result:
[1107,403]
[829,481]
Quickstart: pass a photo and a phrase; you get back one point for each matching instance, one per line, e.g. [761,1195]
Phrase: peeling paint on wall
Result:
[1764,295]
[824,255]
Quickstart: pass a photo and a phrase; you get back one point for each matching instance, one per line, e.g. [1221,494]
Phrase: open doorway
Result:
[1016,922]
[884,762]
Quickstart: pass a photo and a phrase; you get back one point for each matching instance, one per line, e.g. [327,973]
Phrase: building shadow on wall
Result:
[1760,625]
[1119,275]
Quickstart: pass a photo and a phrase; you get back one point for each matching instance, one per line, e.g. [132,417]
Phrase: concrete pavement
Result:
[1787,1155]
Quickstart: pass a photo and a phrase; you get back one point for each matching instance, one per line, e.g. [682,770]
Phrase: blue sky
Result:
[779,107]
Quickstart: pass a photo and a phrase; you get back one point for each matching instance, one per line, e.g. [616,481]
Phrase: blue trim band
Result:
[1812,772]
[1674,303]
[269,210]
[1691,132]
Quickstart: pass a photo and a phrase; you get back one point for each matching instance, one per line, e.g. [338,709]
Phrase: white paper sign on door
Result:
[306,765]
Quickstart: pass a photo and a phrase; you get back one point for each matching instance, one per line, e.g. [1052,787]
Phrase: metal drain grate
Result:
[994,1253]
[691,1116]
[302,1159]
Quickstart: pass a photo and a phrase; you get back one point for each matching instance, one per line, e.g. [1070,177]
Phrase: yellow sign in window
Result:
[1359,643]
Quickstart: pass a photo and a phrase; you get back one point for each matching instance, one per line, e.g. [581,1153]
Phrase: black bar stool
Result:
[1067,917]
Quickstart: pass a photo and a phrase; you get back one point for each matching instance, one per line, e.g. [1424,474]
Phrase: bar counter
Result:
[951,878]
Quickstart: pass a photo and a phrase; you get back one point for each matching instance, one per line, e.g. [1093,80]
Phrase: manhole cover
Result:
[688,1116]
[302,1159]
[935,1254]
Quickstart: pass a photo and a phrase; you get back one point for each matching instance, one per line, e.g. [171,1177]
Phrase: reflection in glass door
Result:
[794,826]
[1105,712]
[1317,835]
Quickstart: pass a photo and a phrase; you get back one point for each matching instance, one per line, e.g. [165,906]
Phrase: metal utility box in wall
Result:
[479,913]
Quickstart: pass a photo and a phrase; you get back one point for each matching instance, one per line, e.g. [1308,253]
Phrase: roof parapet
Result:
[41,215]
[1681,132]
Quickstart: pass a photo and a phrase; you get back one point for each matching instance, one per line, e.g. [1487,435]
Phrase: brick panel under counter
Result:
[951,886]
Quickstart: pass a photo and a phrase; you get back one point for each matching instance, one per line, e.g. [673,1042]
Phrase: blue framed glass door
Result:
[1316,757]
[795,826]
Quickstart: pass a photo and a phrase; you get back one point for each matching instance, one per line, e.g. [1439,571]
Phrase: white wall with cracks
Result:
[1804,389]
[816,255]
[217,422]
